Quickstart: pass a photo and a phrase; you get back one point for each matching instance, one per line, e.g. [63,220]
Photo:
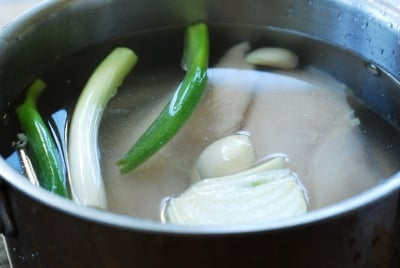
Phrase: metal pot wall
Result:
[43,230]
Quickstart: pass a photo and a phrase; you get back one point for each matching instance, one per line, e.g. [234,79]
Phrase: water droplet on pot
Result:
[373,69]
[6,119]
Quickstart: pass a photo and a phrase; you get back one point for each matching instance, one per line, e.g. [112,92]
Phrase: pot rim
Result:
[380,191]
[17,180]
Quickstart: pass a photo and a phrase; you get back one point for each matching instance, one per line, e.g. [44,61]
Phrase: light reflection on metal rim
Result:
[20,182]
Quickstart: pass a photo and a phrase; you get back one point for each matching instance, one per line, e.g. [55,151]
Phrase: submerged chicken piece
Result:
[235,57]
[310,121]
[282,114]
[220,113]
[316,128]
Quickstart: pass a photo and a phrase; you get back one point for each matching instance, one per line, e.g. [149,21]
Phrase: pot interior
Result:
[323,37]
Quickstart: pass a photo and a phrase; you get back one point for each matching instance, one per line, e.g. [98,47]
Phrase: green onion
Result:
[43,150]
[182,104]
[86,181]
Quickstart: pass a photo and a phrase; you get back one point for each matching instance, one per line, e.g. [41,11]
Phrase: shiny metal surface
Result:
[10,9]
[360,232]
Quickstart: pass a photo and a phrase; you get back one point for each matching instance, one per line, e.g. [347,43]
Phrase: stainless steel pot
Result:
[42,230]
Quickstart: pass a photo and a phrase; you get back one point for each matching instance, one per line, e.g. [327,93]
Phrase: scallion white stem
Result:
[87,187]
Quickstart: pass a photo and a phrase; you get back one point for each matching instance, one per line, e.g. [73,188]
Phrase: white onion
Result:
[265,192]
[250,199]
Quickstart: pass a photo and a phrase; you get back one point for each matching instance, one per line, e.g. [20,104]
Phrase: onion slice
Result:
[253,196]
[87,187]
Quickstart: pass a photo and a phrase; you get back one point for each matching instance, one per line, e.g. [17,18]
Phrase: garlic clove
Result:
[273,57]
[225,156]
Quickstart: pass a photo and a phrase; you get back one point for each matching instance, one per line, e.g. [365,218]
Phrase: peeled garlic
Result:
[253,196]
[273,57]
[225,156]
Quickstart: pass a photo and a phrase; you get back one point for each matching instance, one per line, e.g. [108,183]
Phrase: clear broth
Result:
[147,89]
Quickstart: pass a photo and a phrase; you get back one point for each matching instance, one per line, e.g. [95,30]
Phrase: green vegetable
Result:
[86,181]
[182,104]
[43,150]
